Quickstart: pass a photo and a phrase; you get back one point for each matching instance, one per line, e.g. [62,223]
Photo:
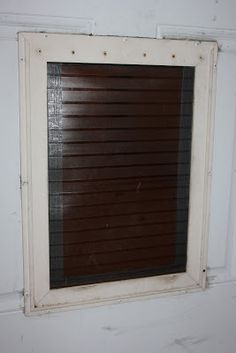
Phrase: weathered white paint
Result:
[10,218]
[197,323]
[35,50]
[10,24]
[190,323]
[223,158]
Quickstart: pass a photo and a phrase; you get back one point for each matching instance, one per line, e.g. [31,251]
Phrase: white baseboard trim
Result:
[11,24]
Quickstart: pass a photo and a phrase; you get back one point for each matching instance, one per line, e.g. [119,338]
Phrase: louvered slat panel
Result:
[119,165]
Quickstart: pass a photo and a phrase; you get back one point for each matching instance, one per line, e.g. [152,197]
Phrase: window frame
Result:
[35,50]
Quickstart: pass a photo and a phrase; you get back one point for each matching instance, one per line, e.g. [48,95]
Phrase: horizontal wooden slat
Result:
[121,70]
[117,197]
[68,281]
[74,225]
[105,247]
[128,208]
[142,183]
[111,244]
[127,122]
[74,136]
[121,256]
[123,147]
[117,172]
[116,160]
[120,83]
[126,268]
[124,109]
[106,223]
[91,236]
[139,97]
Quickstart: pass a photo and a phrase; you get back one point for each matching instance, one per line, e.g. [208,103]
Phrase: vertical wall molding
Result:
[10,302]
[11,24]
[226,38]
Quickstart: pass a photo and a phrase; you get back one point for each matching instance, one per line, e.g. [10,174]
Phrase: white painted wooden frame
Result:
[35,50]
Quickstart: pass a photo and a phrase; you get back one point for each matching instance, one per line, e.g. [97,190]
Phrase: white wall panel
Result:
[196,323]
[222,159]
[193,323]
[129,17]
[10,219]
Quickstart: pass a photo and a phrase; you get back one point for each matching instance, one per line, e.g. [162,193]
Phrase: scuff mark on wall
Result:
[186,342]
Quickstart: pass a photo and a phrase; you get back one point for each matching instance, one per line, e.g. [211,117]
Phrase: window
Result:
[119,163]
[116,158]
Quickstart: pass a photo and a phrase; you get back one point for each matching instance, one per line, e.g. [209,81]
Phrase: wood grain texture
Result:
[119,164]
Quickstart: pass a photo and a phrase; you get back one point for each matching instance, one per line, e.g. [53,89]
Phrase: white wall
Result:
[203,322]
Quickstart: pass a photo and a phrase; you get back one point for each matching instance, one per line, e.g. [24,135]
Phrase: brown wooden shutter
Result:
[119,166]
